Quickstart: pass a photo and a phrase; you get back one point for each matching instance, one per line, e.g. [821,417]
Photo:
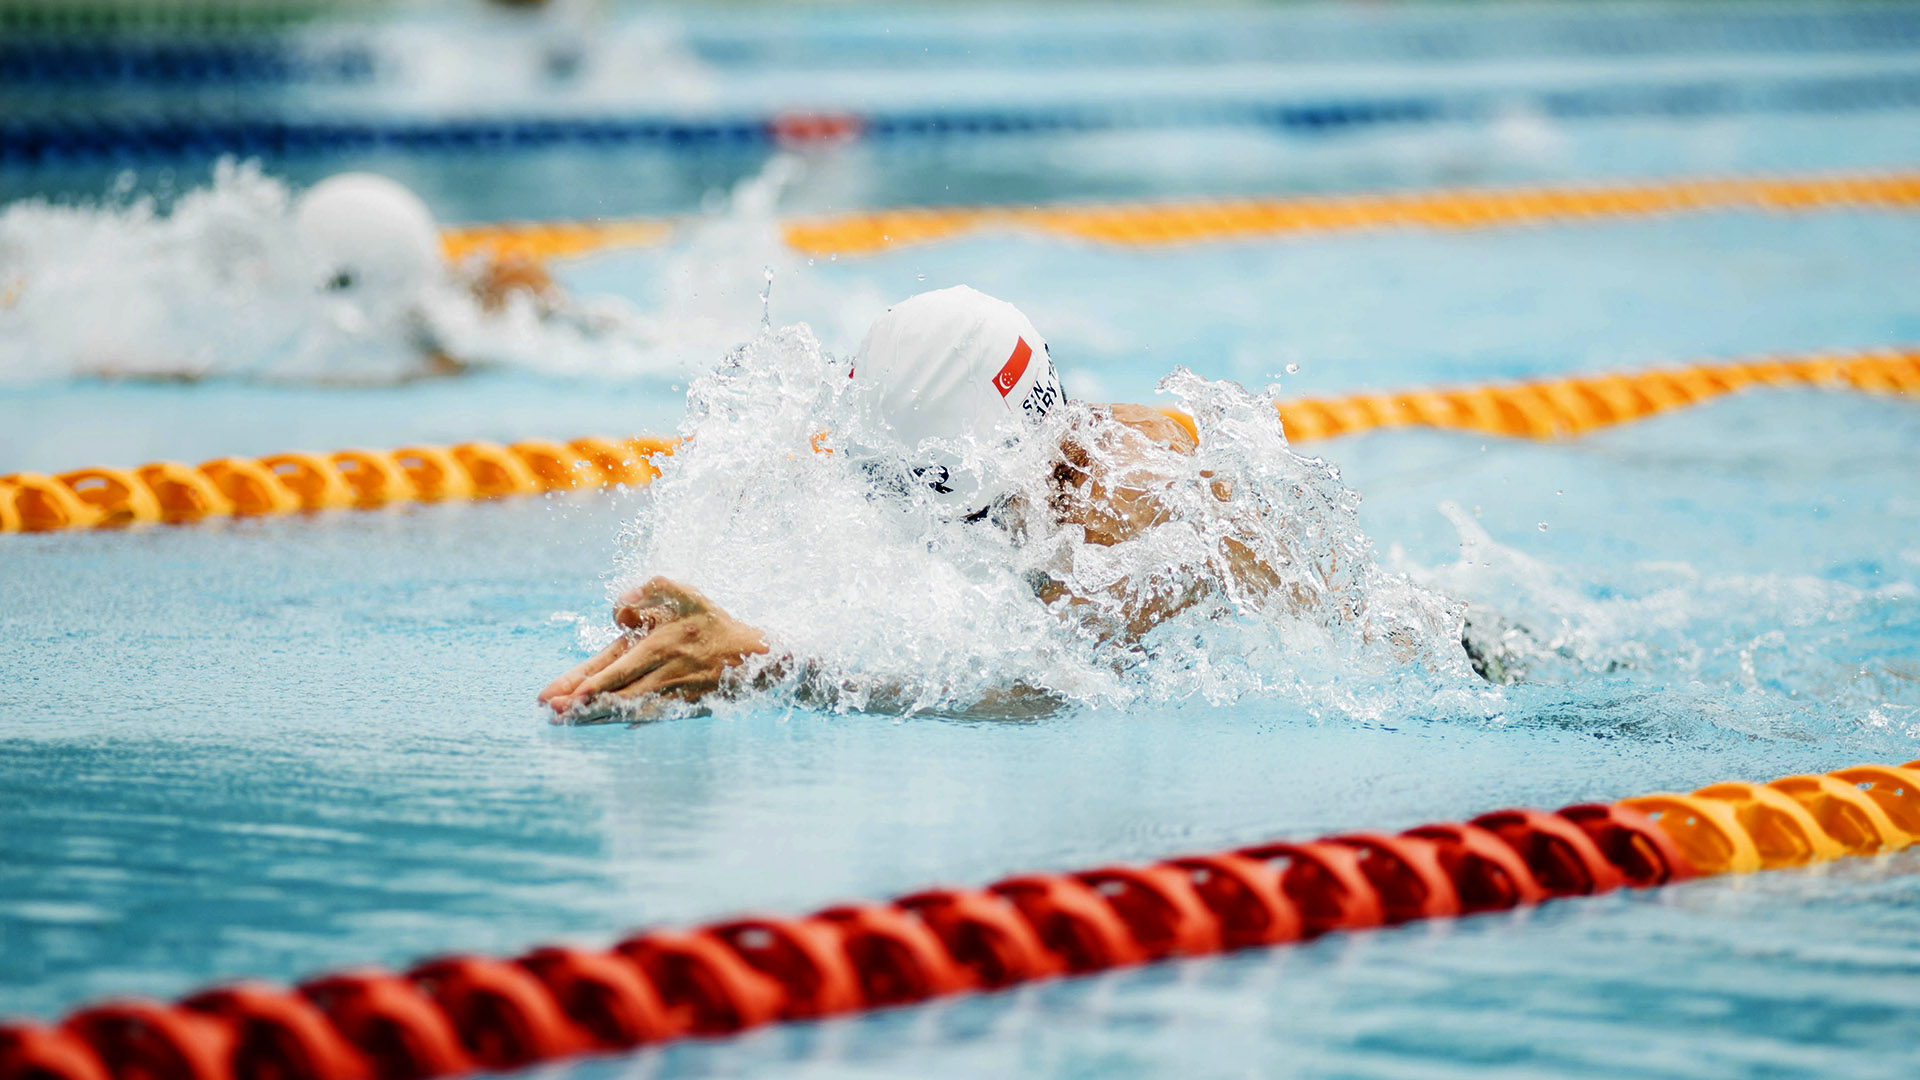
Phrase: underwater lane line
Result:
[454,1015]
[174,493]
[1163,224]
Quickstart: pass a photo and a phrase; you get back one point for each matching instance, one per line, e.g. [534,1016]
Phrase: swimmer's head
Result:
[949,367]
[368,237]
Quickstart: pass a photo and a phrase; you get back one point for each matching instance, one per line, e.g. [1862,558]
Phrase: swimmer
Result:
[563,32]
[375,251]
[954,366]
[347,283]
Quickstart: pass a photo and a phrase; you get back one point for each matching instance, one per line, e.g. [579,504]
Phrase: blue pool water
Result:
[274,747]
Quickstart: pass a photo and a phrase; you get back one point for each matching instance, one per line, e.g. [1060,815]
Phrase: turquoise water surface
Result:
[268,748]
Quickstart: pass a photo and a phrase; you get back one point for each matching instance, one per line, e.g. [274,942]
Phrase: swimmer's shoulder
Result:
[1155,425]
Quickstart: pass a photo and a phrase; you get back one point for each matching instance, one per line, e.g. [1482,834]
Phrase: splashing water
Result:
[1768,653]
[215,287]
[221,287]
[891,604]
[716,278]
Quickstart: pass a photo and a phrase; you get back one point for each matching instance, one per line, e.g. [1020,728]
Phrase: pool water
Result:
[272,747]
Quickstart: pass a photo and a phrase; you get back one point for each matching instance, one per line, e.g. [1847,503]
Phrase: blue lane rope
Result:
[52,140]
[74,63]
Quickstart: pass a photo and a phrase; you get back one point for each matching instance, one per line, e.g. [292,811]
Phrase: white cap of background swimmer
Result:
[368,235]
[953,365]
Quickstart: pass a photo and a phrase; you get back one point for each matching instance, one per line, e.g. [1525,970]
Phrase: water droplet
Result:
[809,262]
[1543,526]
[1559,492]
[1476,511]
[835,257]
[1293,369]
[921,277]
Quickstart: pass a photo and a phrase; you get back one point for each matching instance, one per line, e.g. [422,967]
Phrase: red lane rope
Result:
[456,1015]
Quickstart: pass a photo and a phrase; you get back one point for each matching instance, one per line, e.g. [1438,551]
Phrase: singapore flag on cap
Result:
[955,364]
[1038,395]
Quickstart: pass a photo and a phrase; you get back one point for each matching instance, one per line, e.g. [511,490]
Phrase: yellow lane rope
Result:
[538,242]
[1163,224]
[166,491]
[1564,407]
[1160,225]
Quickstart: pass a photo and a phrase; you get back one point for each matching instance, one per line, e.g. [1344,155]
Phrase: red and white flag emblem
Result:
[1016,366]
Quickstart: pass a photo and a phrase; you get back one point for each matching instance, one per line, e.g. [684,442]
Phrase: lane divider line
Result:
[454,1015]
[1153,225]
[1165,225]
[151,133]
[536,241]
[1568,407]
[173,493]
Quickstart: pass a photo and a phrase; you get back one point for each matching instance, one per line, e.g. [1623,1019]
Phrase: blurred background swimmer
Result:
[562,31]
[377,250]
[345,284]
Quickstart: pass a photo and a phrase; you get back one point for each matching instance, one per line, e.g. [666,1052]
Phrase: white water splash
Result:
[216,287]
[892,605]
[1778,639]
[220,287]
[716,285]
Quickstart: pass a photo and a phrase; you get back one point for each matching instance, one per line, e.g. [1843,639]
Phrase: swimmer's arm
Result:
[676,646]
[1136,615]
[1122,512]
[680,647]
[1154,424]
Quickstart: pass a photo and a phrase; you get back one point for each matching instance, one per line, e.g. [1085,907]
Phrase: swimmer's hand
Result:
[676,646]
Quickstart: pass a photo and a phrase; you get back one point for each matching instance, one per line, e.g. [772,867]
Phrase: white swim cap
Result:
[368,234]
[953,365]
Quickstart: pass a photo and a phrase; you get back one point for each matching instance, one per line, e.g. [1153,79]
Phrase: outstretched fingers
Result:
[675,646]
[565,684]
[646,655]
[638,612]
[682,677]
[673,677]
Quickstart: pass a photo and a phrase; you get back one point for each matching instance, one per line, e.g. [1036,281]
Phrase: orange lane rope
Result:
[538,242]
[1162,224]
[1565,407]
[166,491]
[455,1015]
